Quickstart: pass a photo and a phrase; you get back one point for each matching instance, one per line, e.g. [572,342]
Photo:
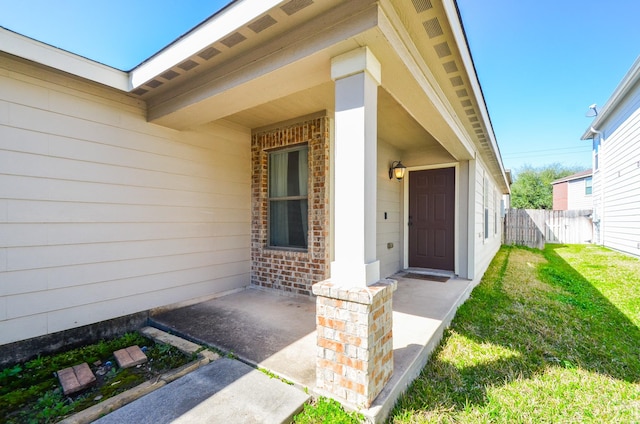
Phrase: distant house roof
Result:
[626,85]
[576,176]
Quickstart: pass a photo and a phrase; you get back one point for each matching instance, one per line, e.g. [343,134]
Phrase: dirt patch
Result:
[30,391]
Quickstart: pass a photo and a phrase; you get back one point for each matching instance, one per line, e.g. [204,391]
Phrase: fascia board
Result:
[235,16]
[451,10]
[36,51]
[625,86]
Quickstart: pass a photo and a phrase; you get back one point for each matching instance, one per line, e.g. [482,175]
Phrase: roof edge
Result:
[230,18]
[455,22]
[624,87]
[576,176]
[54,57]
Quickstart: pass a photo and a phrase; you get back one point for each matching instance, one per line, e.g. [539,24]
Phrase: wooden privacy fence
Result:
[535,227]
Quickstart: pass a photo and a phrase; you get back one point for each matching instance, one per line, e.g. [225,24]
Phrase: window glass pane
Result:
[588,185]
[288,203]
[288,173]
[288,223]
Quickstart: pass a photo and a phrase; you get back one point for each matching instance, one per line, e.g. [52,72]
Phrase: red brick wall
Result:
[561,196]
[287,270]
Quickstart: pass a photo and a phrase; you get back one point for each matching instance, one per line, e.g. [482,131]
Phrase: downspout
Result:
[600,213]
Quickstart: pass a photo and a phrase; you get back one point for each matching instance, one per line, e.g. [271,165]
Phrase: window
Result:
[485,199]
[288,200]
[588,186]
[495,212]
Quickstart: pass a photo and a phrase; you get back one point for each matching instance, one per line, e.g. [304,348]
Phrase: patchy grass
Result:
[548,336]
[30,392]
[325,410]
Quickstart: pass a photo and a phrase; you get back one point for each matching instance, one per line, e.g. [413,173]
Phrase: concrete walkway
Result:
[278,332]
[224,391]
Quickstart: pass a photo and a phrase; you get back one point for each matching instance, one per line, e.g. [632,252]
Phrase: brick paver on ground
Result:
[130,357]
[76,378]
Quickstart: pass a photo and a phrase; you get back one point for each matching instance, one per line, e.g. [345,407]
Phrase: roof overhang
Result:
[622,90]
[36,51]
[257,53]
[578,176]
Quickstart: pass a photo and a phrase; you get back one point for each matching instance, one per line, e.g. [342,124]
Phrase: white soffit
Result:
[36,51]
[228,20]
[451,11]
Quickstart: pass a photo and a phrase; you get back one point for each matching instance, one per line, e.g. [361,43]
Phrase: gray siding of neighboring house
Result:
[577,198]
[617,181]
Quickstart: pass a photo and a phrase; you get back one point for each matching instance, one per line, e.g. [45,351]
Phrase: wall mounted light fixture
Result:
[397,170]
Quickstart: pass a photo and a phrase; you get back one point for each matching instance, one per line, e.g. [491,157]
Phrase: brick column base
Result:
[355,345]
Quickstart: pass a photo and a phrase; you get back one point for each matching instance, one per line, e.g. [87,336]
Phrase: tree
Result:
[532,187]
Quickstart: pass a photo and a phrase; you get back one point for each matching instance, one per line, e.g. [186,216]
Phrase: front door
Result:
[431,218]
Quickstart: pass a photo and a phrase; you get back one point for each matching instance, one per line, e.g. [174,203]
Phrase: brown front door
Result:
[431,218]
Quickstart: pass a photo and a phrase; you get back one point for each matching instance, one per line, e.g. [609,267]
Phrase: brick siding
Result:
[291,271]
[354,357]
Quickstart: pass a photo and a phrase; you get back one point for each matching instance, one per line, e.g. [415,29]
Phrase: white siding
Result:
[485,248]
[620,178]
[103,214]
[577,197]
[389,202]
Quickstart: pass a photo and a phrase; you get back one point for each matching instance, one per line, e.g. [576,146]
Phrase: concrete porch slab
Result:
[277,332]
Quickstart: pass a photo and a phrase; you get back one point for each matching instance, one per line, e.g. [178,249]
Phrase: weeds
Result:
[30,392]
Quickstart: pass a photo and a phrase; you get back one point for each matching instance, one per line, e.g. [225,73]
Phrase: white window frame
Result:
[270,199]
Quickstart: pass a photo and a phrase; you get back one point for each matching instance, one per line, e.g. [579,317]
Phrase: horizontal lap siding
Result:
[103,214]
[389,201]
[621,179]
[578,199]
[485,249]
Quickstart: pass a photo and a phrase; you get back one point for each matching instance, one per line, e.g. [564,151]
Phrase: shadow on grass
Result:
[563,322]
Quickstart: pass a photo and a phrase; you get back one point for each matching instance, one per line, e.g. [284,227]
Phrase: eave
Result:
[622,90]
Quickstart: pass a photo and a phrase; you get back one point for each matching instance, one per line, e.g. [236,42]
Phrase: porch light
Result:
[397,170]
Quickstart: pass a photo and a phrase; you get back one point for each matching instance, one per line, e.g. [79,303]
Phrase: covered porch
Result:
[332,103]
[278,332]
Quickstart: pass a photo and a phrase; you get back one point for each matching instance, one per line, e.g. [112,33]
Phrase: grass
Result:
[325,410]
[30,392]
[548,336]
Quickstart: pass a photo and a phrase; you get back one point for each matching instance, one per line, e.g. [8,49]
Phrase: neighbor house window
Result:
[288,200]
[588,186]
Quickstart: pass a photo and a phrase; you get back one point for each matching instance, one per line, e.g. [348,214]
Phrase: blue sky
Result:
[540,63]
[118,33]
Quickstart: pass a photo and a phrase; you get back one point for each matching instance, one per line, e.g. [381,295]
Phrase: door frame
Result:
[456,219]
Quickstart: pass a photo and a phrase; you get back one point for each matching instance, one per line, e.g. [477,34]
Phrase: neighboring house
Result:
[573,192]
[254,150]
[615,132]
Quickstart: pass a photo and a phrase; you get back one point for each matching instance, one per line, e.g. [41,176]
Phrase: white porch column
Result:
[357,76]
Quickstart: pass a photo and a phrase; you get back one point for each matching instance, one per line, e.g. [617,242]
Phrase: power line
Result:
[573,150]
[522,155]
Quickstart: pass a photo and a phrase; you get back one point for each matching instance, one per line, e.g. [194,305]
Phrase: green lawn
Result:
[547,337]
